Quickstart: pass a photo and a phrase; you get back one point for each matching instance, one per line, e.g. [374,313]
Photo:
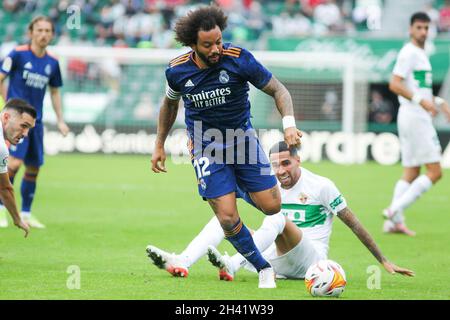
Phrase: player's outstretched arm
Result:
[9,201]
[283,101]
[167,117]
[347,216]
[55,95]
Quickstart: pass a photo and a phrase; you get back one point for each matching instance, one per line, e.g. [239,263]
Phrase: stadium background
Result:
[111,100]
[101,211]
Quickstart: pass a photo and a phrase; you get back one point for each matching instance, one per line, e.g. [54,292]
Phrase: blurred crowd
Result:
[149,23]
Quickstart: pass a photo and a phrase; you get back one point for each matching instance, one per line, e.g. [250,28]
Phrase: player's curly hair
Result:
[204,18]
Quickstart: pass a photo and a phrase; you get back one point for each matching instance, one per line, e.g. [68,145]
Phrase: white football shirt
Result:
[311,204]
[4,153]
[414,67]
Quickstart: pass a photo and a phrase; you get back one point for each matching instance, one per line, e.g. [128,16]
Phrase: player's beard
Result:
[421,40]
[206,60]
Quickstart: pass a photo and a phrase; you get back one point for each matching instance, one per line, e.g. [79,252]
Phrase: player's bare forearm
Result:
[347,216]
[57,106]
[8,198]
[397,86]
[55,96]
[2,86]
[167,117]
[283,99]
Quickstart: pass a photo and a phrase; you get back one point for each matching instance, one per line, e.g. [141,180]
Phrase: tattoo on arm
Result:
[347,216]
[282,97]
[275,193]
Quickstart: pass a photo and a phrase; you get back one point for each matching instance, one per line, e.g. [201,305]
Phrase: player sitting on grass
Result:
[291,240]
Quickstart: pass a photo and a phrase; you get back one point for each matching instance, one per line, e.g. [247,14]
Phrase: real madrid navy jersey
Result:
[29,76]
[217,96]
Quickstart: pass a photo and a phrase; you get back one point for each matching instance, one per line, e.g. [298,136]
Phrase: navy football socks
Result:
[242,240]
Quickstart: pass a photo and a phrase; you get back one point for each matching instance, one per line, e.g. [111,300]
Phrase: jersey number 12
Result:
[201,165]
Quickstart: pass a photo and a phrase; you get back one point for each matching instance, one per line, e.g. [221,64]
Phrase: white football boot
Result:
[32,221]
[170,262]
[223,262]
[267,278]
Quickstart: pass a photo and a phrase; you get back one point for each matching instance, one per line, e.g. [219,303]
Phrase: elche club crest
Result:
[303,198]
[224,77]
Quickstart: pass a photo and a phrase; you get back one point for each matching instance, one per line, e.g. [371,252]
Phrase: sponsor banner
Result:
[338,147]
[379,54]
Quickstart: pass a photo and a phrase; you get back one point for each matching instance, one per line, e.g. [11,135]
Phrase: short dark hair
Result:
[419,16]
[204,18]
[21,106]
[40,18]
[281,147]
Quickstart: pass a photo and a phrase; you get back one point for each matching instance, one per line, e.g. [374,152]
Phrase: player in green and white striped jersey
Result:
[412,81]
[299,235]
[291,240]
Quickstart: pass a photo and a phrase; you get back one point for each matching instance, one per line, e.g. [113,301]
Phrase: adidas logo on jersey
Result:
[28,65]
[189,83]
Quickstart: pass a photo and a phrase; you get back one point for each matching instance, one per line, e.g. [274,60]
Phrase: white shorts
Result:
[419,142]
[295,263]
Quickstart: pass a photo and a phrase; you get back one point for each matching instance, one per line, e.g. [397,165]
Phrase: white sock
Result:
[211,234]
[418,187]
[2,207]
[25,214]
[400,187]
[271,227]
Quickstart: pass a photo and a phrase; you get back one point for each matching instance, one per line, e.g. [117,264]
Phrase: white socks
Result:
[211,234]
[418,187]
[271,227]
[25,214]
[400,187]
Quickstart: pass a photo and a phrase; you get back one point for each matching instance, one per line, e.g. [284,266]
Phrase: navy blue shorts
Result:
[246,168]
[31,149]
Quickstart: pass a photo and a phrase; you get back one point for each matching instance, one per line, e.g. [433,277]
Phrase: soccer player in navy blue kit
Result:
[213,81]
[31,69]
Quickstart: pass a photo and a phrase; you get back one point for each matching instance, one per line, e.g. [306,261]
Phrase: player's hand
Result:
[392,269]
[159,155]
[292,136]
[429,106]
[23,225]
[63,128]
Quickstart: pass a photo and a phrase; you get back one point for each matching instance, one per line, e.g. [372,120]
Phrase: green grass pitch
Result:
[102,211]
